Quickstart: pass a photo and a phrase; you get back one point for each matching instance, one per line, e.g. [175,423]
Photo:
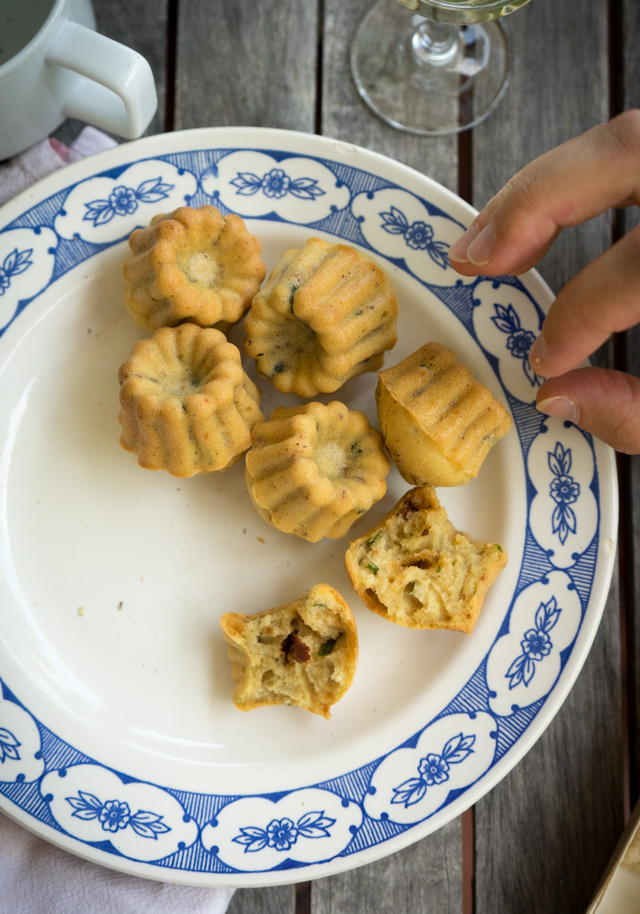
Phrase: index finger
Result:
[566,186]
[602,299]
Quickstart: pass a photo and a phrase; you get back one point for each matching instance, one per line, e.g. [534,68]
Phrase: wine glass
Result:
[439,69]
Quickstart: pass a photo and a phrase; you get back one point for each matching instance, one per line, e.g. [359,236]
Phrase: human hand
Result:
[566,186]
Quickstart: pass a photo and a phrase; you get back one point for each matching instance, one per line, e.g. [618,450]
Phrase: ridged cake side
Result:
[326,314]
[313,470]
[438,422]
[186,405]
[192,265]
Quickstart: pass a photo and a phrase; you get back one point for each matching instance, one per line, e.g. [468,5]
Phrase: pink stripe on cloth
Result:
[47,156]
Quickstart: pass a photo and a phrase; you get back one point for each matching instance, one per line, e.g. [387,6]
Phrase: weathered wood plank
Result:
[346,117]
[246,64]
[629,97]
[273,900]
[425,877]
[547,64]
[544,835]
[143,27]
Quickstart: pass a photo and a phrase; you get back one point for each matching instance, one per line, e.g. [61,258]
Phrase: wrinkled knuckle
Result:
[626,430]
[628,125]
[526,184]
[625,438]
[632,239]
[624,130]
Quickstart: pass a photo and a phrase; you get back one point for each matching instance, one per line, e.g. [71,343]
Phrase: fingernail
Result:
[538,354]
[560,408]
[458,250]
[482,248]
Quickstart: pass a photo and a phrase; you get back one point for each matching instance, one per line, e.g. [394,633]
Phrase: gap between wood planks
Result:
[465,190]
[626,567]
[303,898]
[319,69]
[171,52]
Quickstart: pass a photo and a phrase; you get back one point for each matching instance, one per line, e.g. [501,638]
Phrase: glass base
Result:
[425,77]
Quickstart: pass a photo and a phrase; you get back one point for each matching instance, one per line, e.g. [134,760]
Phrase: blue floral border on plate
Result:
[59,786]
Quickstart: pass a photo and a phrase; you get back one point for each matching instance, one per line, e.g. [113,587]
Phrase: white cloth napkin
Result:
[36,877]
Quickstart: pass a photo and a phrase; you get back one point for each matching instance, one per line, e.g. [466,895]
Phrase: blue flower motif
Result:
[564,490]
[535,646]
[276,184]
[282,834]
[519,340]
[433,769]
[8,746]
[114,815]
[123,201]
[14,263]
[418,235]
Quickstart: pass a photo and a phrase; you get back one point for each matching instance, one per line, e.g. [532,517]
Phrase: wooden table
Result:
[538,843]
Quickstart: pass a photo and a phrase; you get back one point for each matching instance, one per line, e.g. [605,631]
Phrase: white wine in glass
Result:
[433,67]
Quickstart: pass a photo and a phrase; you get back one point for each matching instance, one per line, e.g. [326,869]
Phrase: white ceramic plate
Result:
[118,737]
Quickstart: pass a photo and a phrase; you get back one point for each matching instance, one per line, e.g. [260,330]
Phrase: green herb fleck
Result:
[498,547]
[325,649]
[321,605]
[374,538]
[373,568]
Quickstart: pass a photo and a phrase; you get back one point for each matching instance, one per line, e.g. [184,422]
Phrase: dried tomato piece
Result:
[295,649]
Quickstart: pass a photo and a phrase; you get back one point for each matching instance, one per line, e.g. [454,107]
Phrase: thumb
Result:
[603,402]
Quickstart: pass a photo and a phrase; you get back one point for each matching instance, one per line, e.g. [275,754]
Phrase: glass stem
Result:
[435,43]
